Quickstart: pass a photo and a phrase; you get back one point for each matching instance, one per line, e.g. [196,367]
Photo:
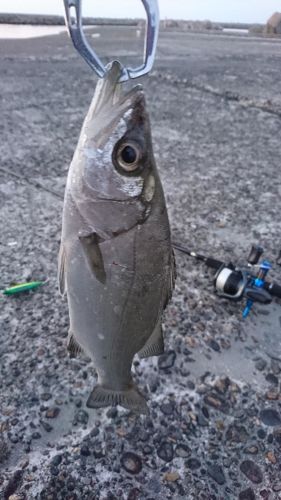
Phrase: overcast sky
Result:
[253,11]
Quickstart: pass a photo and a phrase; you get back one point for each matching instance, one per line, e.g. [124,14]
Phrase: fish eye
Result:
[128,156]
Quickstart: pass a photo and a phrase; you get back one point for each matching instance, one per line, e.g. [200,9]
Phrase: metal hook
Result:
[75,30]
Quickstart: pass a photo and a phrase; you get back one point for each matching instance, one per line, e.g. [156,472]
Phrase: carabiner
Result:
[75,31]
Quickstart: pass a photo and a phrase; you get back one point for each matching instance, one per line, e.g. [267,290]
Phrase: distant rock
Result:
[190,25]
[257,29]
[273,25]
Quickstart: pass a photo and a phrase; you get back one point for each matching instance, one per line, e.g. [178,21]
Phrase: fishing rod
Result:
[236,283]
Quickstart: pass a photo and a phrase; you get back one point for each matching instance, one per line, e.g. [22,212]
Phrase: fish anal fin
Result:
[155,344]
[61,270]
[90,244]
[72,346]
[129,398]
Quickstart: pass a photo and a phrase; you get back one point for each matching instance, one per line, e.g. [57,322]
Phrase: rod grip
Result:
[214,263]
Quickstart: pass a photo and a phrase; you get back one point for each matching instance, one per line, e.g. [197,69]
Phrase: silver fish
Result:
[116,262]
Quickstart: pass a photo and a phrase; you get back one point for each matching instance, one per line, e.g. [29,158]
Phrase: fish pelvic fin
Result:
[129,398]
[155,344]
[61,270]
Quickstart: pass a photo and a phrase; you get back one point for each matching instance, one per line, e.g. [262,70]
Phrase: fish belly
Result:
[113,320]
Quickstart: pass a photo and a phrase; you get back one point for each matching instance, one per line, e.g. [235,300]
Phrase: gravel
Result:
[214,428]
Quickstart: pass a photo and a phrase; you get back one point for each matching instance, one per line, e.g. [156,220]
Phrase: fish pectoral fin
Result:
[61,270]
[155,344]
[72,345]
[90,244]
[129,398]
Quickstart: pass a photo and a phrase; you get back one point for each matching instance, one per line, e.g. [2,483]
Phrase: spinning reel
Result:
[236,283]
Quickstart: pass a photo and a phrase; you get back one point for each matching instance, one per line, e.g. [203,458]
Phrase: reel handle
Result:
[255,255]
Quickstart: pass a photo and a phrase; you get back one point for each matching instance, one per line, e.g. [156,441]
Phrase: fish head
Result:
[115,146]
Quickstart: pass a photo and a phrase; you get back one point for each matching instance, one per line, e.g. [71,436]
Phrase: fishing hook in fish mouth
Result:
[73,21]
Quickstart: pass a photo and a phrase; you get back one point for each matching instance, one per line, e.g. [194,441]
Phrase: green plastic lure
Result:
[23,287]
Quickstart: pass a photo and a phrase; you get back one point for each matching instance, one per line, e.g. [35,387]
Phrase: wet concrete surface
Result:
[214,429]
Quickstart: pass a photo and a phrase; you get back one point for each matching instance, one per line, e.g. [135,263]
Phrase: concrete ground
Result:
[214,429]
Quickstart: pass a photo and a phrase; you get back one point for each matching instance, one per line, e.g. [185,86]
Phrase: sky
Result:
[248,11]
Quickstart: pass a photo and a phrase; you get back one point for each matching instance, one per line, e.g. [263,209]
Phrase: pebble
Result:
[252,471]
[213,344]
[84,451]
[56,460]
[153,486]
[98,451]
[13,438]
[202,421]
[168,408]
[13,483]
[81,416]
[166,451]
[182,451]
[216,473]
[276,486]
[112,413]
[131,462]
[277,435]
[272,395]
[260,364]
[52,412]
[261,433]
[251,450]
[222,385]
[272,379]
[237,434]
[247,494]
[54,470]
[193,463]
[46,426]
[4,451]
[270,417]
[275,366]
[45,396]
[36,435]
[134,494]
[216,402]
[271,457]
[171,476]
[167,360]
[147,449]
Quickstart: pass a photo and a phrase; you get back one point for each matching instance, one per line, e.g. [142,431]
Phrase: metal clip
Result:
[75,30]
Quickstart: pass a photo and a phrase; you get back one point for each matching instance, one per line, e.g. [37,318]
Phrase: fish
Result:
[116,262]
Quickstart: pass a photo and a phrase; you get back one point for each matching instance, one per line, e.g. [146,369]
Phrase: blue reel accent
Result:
[257,282]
